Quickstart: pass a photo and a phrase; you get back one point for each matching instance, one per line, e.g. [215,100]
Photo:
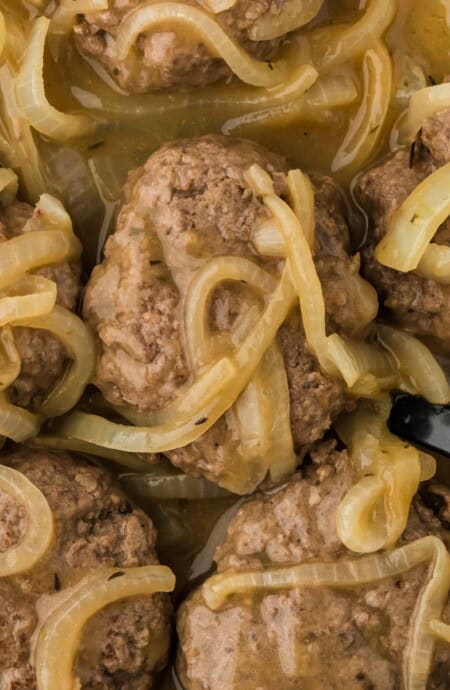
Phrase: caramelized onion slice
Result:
[331,46]
[31,97]
[16,423]
[39,530]
[366,129]
[60,634]
[426,103]
[80,345]
[165,487]
[9,186]
[435,264]
[150,16]
[414,224]
[31,296]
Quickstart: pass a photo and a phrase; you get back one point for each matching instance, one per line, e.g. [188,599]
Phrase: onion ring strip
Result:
[31,296]
[30,91]
[348,574]
[414,224]
[149,16]
[39,532]
[60,634]
[425,103]
[435,264]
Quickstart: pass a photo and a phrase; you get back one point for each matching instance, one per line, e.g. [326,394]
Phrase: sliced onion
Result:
[366,129]
[33,250]
[59,637]
[268,240]
[419,370]
[131,461]
[31,296]
[30,91]
[357,526]
[64,16]
[425,624]
[435,264]
[441,630]
[80,345]
[2,34]
[9,186]
[171,487]
[39,529]
[217,6]
[232,375]
[414,224]
[426,103]
[334,45]
[293,14]
[151,16]
[16,423]
[301,194]
[17,145]
[10,362]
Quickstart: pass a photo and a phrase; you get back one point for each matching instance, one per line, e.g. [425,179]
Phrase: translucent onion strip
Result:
[414,224]
[39,523]
[16,423]
[147,17]
[366,129]
[59,637]
[9,186]
[293,15]
[217,6]
[231,376]
[173,487]
[2,33]
[80,345]
[419,370]
[350,573]
[9,358]
[333,46]
[425,103]
[30,91]
[301,199]
[435,264]
[30,251]
[29,297]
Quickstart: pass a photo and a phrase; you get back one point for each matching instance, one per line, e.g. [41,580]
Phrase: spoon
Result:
[421,423]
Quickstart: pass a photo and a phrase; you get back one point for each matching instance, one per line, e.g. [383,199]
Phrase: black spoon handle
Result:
[421,423]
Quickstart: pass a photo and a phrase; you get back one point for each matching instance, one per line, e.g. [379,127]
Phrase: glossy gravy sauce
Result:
[419,42]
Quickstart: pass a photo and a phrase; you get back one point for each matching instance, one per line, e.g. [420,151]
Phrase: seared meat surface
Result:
[95,526]
[420,305]
[168,58]
[346,639]
[187,204]
[43,357]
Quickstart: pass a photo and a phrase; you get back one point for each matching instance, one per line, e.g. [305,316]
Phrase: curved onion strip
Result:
[71,331]
[30,91]
[33,250]
[435,264]
[30,296]
[17,145]
[165,487]
[356,526]
[204,282]
[149,16]
[217,6]
[273,371]
[16,423]
[330,92]
[2,34]
[402,478]
[425,103]
[350,573]
[428,466]
[9,186]
[428,379]
[366,128]
[332,46]
[233,373]
[39,530]
[293,15]
[10,362]
[59,637]
[414,224]
[131,461]
[301,195]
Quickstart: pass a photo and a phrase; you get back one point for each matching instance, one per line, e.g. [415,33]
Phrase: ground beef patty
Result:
[187,204]
[168,58]
[313,639]
[125,644]
[422,306]
[43,358]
